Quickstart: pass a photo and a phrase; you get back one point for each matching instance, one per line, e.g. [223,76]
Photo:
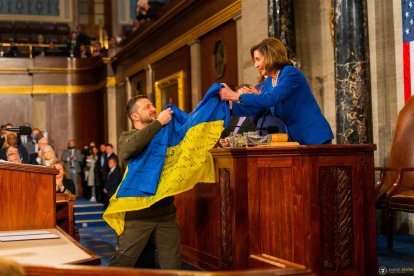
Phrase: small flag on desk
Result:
[174,161]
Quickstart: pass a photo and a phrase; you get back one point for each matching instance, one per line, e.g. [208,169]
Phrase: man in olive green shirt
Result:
[159,218]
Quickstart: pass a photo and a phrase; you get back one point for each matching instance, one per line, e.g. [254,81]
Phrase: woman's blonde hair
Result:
[274,52]
[42,157]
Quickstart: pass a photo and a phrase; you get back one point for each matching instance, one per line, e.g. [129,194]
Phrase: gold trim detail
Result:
[110,82]
[49,89]
[165,82]
[216,20]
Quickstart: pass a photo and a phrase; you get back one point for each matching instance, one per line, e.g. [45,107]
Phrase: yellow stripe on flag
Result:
[186,164]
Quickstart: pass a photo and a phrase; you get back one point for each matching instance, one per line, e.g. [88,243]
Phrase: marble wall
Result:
[251,29]
[314,49]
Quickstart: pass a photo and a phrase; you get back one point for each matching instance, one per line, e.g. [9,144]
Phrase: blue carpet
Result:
[399,261]
[100,240]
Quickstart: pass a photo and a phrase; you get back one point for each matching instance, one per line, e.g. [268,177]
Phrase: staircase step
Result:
[88,208]
[88,215]
[90,223]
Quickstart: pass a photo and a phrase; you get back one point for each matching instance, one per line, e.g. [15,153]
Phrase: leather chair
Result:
[395,188]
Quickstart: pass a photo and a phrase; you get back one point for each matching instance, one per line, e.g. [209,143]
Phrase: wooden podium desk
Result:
[310,205]
[28,202]
[65,215]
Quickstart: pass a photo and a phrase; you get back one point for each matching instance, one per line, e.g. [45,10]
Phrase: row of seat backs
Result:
[32,38]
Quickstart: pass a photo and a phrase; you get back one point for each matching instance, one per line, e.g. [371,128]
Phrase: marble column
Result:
[195,55]
[352,79]
[282,23]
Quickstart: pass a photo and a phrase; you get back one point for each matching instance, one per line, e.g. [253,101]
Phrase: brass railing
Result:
[28,45]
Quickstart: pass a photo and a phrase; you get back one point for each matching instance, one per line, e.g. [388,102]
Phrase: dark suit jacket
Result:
[113,180]
[100,171]
[246,126]
[106,161]
[68,184]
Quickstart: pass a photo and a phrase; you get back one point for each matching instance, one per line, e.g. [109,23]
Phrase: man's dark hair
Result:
[109,145]
[114,158]
[130,107]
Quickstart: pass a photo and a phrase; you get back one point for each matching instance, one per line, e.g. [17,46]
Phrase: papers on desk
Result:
[26,235]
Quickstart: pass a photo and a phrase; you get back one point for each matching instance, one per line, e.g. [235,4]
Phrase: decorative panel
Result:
[337,230]
[226,210]
[36,10]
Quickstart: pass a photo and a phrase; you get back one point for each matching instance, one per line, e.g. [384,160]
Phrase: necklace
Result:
[274,80]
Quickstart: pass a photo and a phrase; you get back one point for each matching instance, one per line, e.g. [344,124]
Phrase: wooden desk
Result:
[65,216]
[63,250]
[310,205]
[28,202]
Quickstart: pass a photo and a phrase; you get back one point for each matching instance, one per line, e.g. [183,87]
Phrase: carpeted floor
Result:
[399,261]
[100,240]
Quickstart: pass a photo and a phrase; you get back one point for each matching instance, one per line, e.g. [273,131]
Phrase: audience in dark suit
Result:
[100,174]
[114,177]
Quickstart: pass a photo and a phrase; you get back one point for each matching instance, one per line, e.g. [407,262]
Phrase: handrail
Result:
[30,45]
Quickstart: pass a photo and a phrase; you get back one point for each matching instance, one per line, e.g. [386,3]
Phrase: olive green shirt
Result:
[131,144]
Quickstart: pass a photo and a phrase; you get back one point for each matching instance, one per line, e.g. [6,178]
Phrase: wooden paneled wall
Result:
[228,35]
[177,61]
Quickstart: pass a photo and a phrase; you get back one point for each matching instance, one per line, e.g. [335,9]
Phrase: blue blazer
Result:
[291,100]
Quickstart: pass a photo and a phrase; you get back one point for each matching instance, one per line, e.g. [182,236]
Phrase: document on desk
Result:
[26,235]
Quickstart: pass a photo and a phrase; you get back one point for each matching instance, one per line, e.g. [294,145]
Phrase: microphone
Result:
[22,130]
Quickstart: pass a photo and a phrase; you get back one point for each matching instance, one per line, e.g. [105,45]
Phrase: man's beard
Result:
[147,120]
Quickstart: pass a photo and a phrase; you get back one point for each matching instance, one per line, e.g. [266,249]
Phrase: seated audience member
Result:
[36,157]
[13,51]
[54,51]
[84,52]
[48,156]
[11,140]
[12,154]
[114,177]
[73,46]
[13,157]
[98,51]
[39,50]
[113,45]
[3,134]
[63,184]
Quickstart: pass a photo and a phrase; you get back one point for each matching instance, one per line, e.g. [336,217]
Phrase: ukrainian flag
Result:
[174,161]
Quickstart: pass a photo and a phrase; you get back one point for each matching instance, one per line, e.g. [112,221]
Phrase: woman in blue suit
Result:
[286,93]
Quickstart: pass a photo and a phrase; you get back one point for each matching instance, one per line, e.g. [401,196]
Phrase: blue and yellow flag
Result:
[174,161]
